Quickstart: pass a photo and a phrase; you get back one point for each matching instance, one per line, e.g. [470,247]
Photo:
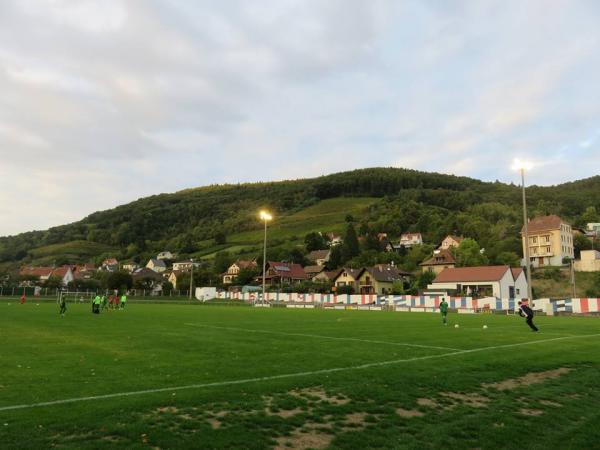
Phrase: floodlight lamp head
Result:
[521,165]
[264,215]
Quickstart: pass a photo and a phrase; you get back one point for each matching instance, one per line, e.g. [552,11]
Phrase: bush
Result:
[348,289]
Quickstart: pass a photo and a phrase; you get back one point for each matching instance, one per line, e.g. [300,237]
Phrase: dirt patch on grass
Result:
[531,412]
[284,413]
[408,413]
[473,400]
[528,379]
[428,403]
[167,409]
[302,440]
[320,395]
[550,403]
[215,419]
[357,418]
[113,439]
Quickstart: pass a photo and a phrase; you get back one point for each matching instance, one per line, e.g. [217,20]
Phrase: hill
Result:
[205,220]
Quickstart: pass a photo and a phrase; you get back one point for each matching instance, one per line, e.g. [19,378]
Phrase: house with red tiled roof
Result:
[550,241]
[283,273]
[441,259]
[450,241]
[408,240]
[234,269]
[44,273]
[481,281]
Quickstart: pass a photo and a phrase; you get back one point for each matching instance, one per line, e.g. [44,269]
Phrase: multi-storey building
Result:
[550,241]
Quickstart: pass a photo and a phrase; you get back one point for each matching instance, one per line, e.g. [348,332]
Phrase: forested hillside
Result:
[209,219]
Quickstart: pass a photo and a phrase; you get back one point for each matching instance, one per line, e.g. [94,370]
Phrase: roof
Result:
[454,237]
[354,273]
[61,271]
[313,270]
[318,254]
[144,272]
[543,223]
[110,262]
[386,273]
[479,273]
[36,271]
[409,236]
[440,258]
[287,270]
[245,264]
[516,272]
[157,262]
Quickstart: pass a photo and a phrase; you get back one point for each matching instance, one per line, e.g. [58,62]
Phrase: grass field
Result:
[183,376]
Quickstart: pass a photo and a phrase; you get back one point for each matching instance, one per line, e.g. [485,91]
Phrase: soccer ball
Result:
[485,327]
[456,326]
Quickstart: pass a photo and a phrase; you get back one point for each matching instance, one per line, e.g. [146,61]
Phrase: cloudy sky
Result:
[103,102]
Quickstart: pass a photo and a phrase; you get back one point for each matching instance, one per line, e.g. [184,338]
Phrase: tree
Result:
[335,258]
[222,262]
[220,238]
[167,287]
[509,258]
[53,282]
[350,247]
[371,242]
[469,254]
[297,257]
[594,289]
[246,275]
[315,241]
[580,242]
[119,280]
[590,215]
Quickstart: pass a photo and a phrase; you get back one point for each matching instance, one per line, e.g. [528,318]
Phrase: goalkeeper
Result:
[526,311]
[444,311]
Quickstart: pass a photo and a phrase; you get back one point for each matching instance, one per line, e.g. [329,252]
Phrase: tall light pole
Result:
[265,216]
[521,166]
[191,277]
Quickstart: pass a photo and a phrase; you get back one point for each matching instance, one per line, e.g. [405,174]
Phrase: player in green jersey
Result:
[444,311]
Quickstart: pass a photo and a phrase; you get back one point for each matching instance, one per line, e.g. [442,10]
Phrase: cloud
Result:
[107,101]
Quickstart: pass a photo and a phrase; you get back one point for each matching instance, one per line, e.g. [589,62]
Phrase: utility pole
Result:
[191,277]
[573,278]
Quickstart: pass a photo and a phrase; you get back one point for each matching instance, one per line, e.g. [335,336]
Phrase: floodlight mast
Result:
[264,216]
[521,166]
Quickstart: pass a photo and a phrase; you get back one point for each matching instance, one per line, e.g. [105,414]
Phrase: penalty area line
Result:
[318,336]
[284,376]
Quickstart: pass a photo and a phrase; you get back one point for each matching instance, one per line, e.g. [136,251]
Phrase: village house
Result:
[110,265]
[411,239]
[347,277]
[130,266]
[481,281]
[43,274]
[550,241]
[156,265]
[450,241]
[441,259]
[380,279]
[174,275]
[333,239]
[234,269]
[313,271]
[185,265]
[283,273]
[326,276]
[151,279]
[165,255]
[319,257]
[83,271]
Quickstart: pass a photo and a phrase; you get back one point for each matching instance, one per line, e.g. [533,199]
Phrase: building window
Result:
[535,239]
[547,238]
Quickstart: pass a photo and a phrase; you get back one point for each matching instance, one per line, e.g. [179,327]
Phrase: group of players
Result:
[524,311]
[111,303]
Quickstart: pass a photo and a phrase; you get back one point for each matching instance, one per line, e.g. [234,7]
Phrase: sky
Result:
[103,102]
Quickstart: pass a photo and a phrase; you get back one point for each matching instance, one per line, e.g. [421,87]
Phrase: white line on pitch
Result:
[283,376]
[318,336]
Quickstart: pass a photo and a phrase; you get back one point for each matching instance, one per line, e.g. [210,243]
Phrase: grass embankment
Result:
[561,286]
[280,378]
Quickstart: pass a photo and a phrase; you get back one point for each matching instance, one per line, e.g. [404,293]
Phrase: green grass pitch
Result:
[183,376]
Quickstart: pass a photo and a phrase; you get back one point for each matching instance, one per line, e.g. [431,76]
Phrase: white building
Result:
[410,239]
[482,281]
